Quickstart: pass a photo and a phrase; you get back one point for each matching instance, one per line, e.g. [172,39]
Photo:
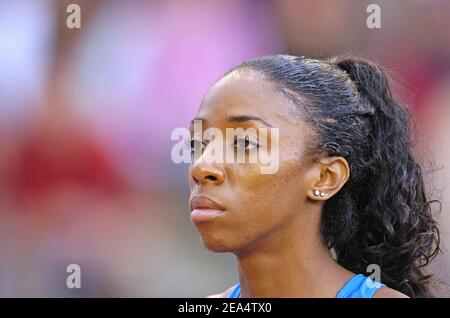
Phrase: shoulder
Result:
[386,292]
[224,294]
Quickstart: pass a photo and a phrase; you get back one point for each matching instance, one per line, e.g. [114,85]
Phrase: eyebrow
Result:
[196,118]
[242,118]
[239,119]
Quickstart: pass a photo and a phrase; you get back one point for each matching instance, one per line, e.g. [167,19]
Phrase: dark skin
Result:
[271,221]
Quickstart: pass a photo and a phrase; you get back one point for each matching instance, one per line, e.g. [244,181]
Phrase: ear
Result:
[331,173]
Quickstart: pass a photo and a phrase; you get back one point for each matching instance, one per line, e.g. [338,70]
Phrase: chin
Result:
[224,244]
[216,242]
[216,248]
[216,245]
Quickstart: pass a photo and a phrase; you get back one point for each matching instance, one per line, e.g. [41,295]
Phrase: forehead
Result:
[247,93]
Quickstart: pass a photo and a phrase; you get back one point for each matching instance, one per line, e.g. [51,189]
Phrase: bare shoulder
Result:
[223,294]
[386,292]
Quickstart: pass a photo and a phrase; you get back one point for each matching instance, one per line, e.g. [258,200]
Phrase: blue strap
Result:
[359,286]
[235,292]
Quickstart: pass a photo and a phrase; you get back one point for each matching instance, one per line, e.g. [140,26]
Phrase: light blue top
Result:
[359,286]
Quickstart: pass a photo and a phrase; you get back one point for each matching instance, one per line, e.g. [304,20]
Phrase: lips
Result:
[204,202]
[204,208]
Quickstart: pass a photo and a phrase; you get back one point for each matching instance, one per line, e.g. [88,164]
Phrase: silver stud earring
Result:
[319,193]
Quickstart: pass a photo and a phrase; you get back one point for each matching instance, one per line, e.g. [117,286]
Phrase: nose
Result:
[204,173]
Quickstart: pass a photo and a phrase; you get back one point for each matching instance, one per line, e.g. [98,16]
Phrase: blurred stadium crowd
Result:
[86,116]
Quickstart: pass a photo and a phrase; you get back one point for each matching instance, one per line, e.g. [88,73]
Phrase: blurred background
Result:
[86,114]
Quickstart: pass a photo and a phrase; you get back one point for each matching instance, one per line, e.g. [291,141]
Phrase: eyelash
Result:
[246,139]
[188,143]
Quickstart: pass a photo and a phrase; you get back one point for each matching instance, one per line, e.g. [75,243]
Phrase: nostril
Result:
[201,173]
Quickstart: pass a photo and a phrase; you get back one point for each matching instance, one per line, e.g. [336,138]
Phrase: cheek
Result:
[265,201]
[260,204]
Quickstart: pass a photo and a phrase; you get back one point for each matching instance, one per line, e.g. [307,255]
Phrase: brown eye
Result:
[194,145]
[246,143]
[197,145]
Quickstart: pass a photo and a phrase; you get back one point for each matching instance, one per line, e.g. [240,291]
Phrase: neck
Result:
[287,263]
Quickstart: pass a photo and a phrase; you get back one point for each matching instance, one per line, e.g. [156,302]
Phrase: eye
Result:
[246,142]
[194,145]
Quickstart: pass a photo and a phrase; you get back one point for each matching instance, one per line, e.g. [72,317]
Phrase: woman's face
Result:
[243,205]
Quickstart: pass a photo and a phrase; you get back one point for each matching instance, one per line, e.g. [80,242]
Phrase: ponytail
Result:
[396,229]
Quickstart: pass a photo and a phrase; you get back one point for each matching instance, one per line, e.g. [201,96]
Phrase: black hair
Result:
[381,215]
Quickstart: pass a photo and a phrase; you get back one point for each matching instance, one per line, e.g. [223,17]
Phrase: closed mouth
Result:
[204,202]
[204,208]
